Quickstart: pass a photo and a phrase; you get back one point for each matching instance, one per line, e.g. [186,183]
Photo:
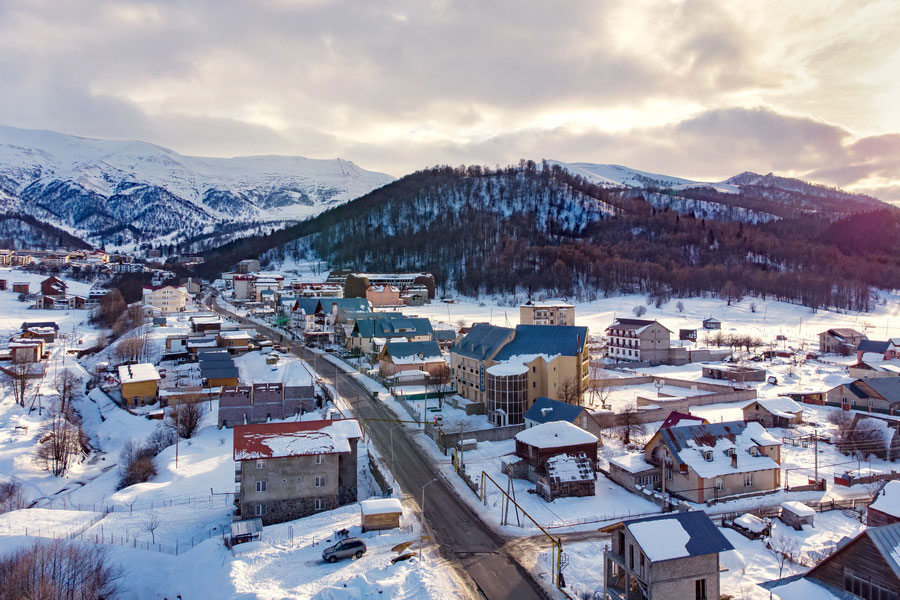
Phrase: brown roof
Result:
[295,438]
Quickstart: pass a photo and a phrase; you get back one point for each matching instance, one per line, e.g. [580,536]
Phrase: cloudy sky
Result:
[701,89]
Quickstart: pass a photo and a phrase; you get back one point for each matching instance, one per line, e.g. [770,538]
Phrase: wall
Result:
[290,486]
[494,434]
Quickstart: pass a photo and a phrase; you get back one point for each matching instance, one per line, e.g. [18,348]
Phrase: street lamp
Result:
[422,535]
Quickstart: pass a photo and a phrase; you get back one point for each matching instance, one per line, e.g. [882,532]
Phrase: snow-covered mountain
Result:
[619,176]
[100,189]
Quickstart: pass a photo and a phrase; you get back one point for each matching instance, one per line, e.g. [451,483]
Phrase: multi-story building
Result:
[140,384]
[167,299]
[638,340]
[284,471]
[546,313]
[840,340]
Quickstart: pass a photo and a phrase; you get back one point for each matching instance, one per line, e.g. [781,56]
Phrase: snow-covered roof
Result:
[298,438]
[565,468]
[798,508]
[781,406]
[547,304]
[633,463]
[555,434]
[380,506]
[507,369]
[138,373]
[708,449]
[888,499]
[751,522]
[661,540]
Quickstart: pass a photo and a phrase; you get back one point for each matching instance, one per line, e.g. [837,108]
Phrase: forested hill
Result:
[533,227]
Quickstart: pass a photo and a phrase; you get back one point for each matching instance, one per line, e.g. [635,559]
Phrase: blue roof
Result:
[566,340]
[873,346]
[309,306]
[545,410]
[705,536]
[888,387]
[386,328]
[444,334]
[347,304]
[482,341]
[405,349]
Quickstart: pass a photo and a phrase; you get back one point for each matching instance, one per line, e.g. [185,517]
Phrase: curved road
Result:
[463,537]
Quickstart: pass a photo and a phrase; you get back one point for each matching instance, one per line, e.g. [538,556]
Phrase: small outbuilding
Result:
[249,530]
[796,514]
[380,513]
[538,444]
[712,323]
[750,526]
[774,412]
[567,476]
[885,510]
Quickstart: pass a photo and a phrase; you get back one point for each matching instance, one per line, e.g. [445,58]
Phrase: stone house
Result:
[774,412]
[664,557]
[873,394]
[285,471]
[839,340]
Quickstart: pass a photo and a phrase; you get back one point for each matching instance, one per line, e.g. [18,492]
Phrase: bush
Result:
[47,570]
[11,496]
[161,438]
[137,464]
[639,311]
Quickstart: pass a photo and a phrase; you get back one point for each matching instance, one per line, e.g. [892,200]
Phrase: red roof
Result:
[676,417]
[294,438]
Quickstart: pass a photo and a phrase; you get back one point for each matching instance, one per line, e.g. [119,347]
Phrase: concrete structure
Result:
[261,402]
[140,384]
[633,472]
[355,284]
[285,471]
[668,557]
[639,340]
[23,349]
[733,373]
[774,412]
[716,460]
[840,340]
[538,444]
[249,265]
[796,514]
[243,286]
[546,313]
[167,299]
[377,514]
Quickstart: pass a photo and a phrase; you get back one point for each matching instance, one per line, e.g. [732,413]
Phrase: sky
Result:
[697,89]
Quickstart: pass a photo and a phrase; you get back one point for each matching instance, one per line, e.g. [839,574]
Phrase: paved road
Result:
[463,537]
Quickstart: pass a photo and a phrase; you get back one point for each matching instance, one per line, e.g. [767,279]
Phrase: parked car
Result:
[280,348]
[344,549]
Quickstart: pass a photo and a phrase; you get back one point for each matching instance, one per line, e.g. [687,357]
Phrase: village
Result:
[629,451]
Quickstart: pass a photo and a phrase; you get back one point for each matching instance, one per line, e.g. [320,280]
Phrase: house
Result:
[716,460]
[167,299]
[411,356]
[633,472]
[842,340]
[21,287]
[261,402]
[885,510]
[546,410]
[217,368]
[383,295]
[874,394]
[867,368]
[356,284]
[140,384]
[54,287]
[638,340]
[234,340]
[367,334]
[774,412]
[285,471]
[508,369]
[712,323]
[42,326]
[796,514]
[688,335]
[868,567]
[377,514]
[568,476]
[48,334]
[871,349]
[538,444]
[445,338]
[546,313]
[665,557]
[23,349]
[203,324]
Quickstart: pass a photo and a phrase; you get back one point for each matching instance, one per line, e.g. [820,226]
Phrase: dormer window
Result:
[754,451]
[729,452]
[708,455]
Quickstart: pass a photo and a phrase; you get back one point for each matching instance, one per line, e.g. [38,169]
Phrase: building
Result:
[868,349]
[568,476]
[167,299]
[638,340]
[716,460]
[843,340]
[383,295]
[217,368]
[54,286]
[867,567]
[508,369]
[540,443]
[711,323]
[234,340]
[865,369]
[206,324]
[243,286]
[42,326]
[687,335]
[733,373]
[369,335]
[546,313]
[21,287]
[446,338]
[874,394]
[546,410]
[796,514]
[666,557]
[23,349]
[885,510]
[140,384]
[633,472]
[774,412]
[248,265]
[285,471]
[412,356]
[356,284]
[377,514]
[261,402]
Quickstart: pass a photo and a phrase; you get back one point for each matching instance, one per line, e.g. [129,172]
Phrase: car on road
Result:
[280,348]
[344,549]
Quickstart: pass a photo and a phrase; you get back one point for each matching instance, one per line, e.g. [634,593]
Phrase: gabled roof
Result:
[482,341]
[888,499]
[545,410]
[413,351]
[781,406]
[842,333]
[30,324]
[308,306]
[444,335]
[387,328]
[294,438]
[887,387]
[886,540]
[675,419]
[675,535]
[688,445]
[345,304]
[564,340]
[879,347]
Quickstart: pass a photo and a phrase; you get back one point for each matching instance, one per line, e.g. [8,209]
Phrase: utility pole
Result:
[816,451]
[662,478]
[177,435]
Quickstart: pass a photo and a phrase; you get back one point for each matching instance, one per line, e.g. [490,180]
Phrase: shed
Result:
[380,513]
[774,412]
[246,531]
[544,441]
[712,323]
[885,510]
[796,514]
[750,526]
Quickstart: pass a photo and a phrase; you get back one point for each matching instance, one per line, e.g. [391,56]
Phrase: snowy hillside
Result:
[619,176]
[96,188]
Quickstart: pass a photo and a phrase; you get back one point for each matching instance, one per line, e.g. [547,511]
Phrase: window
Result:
[754,451]
[261,485]
[259,510]
[261,463]
[720,484]
[708,456]
[669,474]
[320,458]
[631,557]
[319,504]
[748,479]
[700,589]
[320,480]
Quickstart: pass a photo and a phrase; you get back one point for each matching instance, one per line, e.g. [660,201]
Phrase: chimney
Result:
[734,460]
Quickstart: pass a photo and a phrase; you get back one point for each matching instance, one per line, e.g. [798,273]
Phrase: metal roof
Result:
[705,536]
[405,349]
[404,327]
[887,539]
[888,387]
[482,341]
[218,371]
[873,346]
[444,335]
[248,527]
[566,340]
[545,410]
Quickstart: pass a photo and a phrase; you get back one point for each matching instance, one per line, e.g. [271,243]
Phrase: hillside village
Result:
[213,420]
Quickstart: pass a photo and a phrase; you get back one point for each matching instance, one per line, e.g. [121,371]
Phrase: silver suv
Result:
[344,549]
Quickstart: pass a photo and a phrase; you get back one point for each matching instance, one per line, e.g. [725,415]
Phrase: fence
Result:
[446,440]
[218,499]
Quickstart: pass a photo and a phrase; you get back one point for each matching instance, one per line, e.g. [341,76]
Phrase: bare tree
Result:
[679,306]
[18,377]
[131,349]
[57,569]
[440,387]
[60,443]
[630,424]
[11,497]
[600,391]
[844,422]
[185,419]
[568,392]
[753,307]
[151,525]
[136,464]
[639,311]
[784,549]
[68,388]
